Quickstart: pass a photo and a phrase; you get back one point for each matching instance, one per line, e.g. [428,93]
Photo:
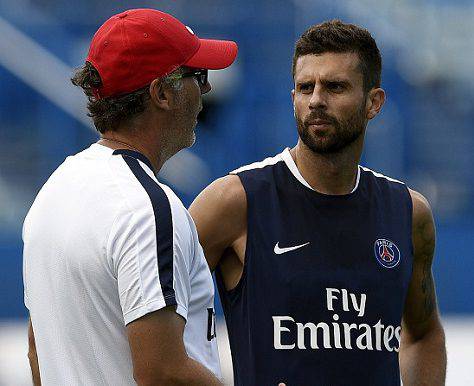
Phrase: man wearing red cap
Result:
[117,286]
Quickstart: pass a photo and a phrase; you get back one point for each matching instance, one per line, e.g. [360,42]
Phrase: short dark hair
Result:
[337,36]
[108,113]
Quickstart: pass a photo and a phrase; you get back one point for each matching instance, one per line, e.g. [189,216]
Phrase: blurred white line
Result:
[41,70]
[186,171]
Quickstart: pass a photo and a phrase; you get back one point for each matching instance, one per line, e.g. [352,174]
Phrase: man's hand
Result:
[422,349]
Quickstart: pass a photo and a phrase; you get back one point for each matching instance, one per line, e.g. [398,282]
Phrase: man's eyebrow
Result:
[324,78]
[335,79]
[304,81]
[331,82]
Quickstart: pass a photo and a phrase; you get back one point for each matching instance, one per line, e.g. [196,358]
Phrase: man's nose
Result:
[318,99]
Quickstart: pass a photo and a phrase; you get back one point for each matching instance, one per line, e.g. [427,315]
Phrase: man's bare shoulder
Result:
[229,187]
[225,195]
[422,213]
[220,214]
[423,229]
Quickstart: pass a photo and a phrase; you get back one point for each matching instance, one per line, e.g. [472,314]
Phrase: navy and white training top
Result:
[324,283]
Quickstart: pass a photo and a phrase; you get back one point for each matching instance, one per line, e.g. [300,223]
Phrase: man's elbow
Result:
[433,333]
[32,355]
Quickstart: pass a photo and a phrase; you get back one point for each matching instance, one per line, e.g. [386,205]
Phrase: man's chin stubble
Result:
[327,146]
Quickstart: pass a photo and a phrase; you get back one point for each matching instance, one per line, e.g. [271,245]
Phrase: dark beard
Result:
[345,132]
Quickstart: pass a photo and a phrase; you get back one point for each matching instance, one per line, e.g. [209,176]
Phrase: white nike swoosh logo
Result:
[279,250]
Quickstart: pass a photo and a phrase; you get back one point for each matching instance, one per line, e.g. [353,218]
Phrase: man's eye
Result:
[306,87]
[334,86]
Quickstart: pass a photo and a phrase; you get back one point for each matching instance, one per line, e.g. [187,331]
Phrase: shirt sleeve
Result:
[147,255]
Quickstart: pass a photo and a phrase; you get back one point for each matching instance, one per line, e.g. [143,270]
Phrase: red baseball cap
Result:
[134,47]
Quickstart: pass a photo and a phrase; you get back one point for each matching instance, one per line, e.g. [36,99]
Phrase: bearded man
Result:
[323,265]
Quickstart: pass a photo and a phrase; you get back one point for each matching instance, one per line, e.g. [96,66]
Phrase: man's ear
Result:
[293,102]
[161,96]
[375,101]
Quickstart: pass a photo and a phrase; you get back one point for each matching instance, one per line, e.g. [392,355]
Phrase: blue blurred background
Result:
[423,136]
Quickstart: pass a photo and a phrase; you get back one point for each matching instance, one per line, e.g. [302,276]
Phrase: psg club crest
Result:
[386,253]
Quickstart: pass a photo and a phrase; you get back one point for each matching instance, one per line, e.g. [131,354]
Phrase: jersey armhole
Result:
[410,222]
[235,292]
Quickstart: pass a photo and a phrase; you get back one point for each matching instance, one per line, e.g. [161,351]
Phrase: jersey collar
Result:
[290,163]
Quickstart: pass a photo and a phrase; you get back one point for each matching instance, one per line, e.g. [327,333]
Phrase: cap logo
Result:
[190,30]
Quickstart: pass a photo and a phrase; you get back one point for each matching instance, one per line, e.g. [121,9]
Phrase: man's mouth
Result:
[319,122]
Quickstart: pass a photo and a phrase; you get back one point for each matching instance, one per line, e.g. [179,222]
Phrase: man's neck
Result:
[116,140]
[332,174]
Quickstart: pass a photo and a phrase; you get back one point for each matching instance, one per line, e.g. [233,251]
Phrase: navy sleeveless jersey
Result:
[324,283]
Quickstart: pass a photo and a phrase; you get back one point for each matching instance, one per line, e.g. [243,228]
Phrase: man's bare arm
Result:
[220,214]
[422,351]
[32,356]
[158,353]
